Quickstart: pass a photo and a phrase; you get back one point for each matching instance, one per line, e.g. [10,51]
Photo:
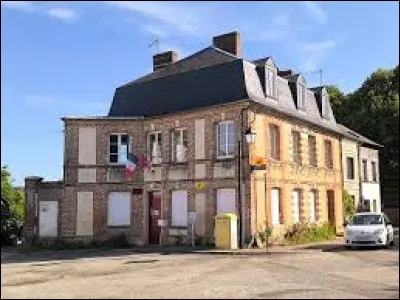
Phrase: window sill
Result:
[224,158]
[118,226]
[185,163]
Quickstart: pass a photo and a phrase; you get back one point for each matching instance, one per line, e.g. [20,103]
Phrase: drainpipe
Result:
[360,197]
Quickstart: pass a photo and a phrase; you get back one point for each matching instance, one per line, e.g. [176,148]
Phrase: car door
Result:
[389,228]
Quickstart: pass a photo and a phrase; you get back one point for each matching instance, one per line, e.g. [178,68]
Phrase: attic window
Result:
[325,105]
[301,96]
[271,83]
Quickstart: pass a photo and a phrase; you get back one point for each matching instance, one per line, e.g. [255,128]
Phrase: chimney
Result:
[162,60]
[229,42]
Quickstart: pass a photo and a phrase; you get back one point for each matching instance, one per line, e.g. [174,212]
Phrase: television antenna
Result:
[155,44]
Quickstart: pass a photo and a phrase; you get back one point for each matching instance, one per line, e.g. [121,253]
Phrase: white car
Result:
[369,229]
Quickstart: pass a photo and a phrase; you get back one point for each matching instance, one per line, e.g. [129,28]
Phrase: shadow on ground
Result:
[14,256]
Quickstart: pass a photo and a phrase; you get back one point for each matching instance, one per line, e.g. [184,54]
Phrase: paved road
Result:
[341,274]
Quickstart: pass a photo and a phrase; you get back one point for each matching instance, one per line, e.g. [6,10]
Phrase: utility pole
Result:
[319,71]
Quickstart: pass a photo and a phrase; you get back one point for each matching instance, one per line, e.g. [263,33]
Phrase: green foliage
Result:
[349,205]
[302,233]
[373,111]
[14,195]
[265,235]
[10,227]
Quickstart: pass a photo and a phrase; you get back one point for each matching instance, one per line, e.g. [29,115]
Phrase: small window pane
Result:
[114,149]
[114,138]
[124,139]
[114,158]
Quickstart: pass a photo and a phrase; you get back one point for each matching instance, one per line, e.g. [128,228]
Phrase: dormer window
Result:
[271,82]
[301,96]
[325,105]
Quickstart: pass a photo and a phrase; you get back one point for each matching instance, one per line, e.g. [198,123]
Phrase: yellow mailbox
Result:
[226,231]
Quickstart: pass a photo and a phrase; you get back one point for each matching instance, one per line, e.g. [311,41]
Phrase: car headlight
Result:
[378,231]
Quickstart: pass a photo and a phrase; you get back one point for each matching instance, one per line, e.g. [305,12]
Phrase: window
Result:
[271,82]
[276,208]
[226,201]
[328,155]
[365,170]
[118,148]
[274,141]
[296,206]
[154,146]
[374,173]
[325,105]
[312,150]
[226,139]
[296,147]
[301,96]
[179,145]
[119,209]
[313,206]
[179,208]
[350,167]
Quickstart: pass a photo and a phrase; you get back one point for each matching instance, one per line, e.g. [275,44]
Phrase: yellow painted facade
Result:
[287,175]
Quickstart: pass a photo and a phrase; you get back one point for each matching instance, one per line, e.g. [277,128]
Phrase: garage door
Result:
[48,217]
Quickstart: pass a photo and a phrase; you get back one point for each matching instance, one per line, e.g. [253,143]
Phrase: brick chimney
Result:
[162,60]
[229,42]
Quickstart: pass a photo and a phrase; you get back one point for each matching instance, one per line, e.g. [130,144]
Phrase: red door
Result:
[154,216]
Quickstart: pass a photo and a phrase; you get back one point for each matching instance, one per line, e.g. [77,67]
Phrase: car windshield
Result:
[366,220]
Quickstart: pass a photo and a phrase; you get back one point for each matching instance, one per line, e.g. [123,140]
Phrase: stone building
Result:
[188,123]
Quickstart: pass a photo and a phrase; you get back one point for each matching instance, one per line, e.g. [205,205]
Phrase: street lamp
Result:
[250,136]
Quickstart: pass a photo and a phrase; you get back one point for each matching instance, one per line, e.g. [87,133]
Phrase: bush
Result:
[301,233]
[265,236]
[349,205]
[10,230]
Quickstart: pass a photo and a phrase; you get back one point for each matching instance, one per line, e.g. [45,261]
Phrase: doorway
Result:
[331,206]
[154,216]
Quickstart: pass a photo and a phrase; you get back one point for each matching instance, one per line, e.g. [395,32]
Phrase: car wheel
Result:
[387,244]
[348,247]
[391,243]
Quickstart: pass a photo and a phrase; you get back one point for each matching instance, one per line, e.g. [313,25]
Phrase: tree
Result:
[15,196]
[373,111]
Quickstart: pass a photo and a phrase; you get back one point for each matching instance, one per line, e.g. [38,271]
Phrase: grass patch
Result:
[303,233]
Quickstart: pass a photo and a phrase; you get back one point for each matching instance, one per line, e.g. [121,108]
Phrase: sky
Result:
[66,58]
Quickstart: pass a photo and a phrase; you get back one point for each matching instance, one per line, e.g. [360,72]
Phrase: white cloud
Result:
[154,30]
[63,14]
[171,14]
[314,54]
[25,6]
[279,29]
[317,12]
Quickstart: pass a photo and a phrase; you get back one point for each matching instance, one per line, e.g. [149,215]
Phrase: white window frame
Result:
[227,155]
[296,206]
[158,134]
[180,219]
[301,96]
[127,209]
[271,82]
[182,141]
[119,147]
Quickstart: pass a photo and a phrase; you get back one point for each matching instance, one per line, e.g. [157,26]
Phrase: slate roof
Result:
[351,134]
[209,77]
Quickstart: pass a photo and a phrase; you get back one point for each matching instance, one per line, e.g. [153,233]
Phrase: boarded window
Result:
[179,208]
[296,155]
[313,206]
[179,145]
[350,167]
[119,209]
[374,172]
[274,141]
[312,150]
[226,201]
[365,170]
[328,155]
[276,208]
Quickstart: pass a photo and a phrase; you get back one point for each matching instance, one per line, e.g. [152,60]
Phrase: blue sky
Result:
[67,58]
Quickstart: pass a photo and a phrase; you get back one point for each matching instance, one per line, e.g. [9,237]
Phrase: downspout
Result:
[360,197]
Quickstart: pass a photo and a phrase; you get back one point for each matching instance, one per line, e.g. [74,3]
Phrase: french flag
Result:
[130,164]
